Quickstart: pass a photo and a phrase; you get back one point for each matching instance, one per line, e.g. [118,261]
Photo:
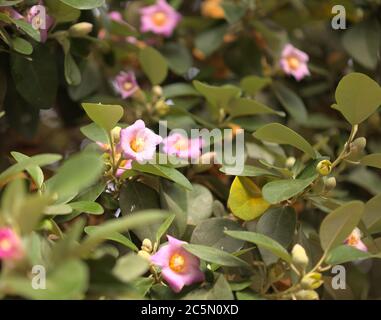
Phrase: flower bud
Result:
[307,295]
[290,162]
[147,245]
[330,184]
[80,29]
[162,108]
[157,90]
[312,281]
[145,255]
[324,167]
[116,134]
[358,145]
[299,257]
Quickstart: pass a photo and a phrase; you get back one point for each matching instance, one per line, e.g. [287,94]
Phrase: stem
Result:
[345,151]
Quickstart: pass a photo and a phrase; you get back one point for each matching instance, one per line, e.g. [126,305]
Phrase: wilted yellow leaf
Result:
[245,199]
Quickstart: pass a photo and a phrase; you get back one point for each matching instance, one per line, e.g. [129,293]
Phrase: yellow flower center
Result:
[352,240]
[293,63]
[181,145]
[137,144]
[37,22]
[159,18]
[127,86]
[177,263]
[5,244]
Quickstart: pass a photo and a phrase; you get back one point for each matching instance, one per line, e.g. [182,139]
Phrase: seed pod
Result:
[324,167]
[358,145]
[330,184]
[312,281]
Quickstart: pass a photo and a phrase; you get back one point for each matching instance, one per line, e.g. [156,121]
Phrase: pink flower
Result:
[178,267]
[159,18]
[115,16]
[123,167]
[138,142]
[354,240]
[182,147]
[125,84]
[10,245]
[40,20]
[294,62]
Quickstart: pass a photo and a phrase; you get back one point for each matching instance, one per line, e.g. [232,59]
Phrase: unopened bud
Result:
[312,281]
[324,167]
[80,29]
[147,245]
[307,295]
[157,90]
[299,257]
[162,108]
[145,255]
[330,184]
[116,134]
[290,162]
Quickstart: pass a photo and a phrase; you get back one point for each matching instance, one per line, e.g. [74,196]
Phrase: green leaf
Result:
[178,90]
[87,207]
[278,133]
[62,12]
[27,28]
[153,64]
[114,236]
[245,199]
[278,224]
[72,72]
[372,215]
[339,224]
[165,172]
[363,43]
[372,160]
[253,84]
[233,11]
[293,104]
[357,97]
[58,209]
[211,233]
[210,40]
[122,29]
[95,133]
[36,79]
[105,116]
[39,160]
[77,173]
[22,46]
[280,190]
[107,229]
[136,196]
[262,241]
[67,281]
[214,255]
[345,253]
[218,97]
[84,4]
[178,57]
[35,172]
[246,107]
[164,227]
[248,171]
[130,267]
[199,204]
